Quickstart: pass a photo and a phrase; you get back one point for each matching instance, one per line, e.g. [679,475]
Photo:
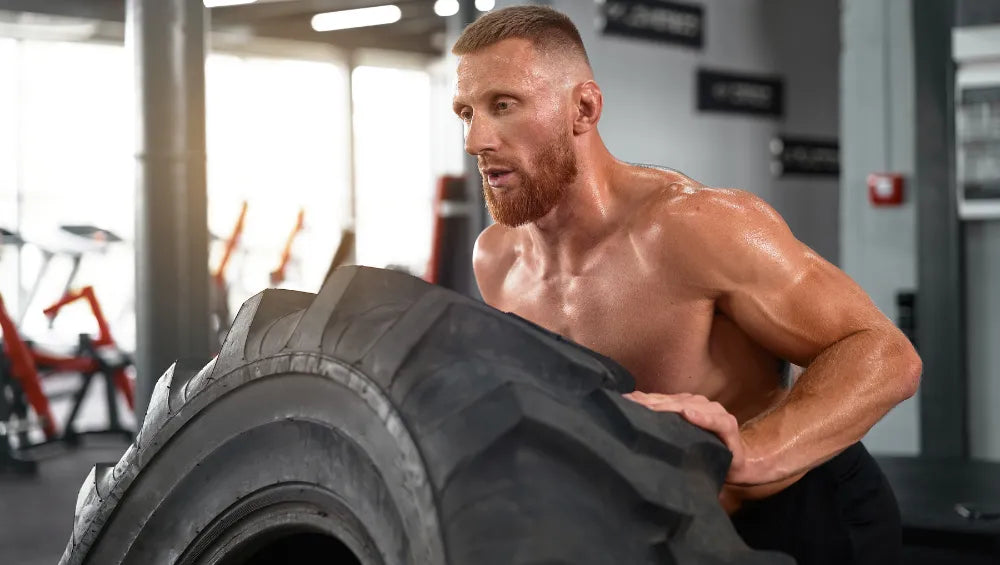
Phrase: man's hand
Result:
[706,414]
[742,483]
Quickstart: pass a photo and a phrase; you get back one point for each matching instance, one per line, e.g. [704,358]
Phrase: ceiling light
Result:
[445,8]
[362,17]
[485,5]
[217,3]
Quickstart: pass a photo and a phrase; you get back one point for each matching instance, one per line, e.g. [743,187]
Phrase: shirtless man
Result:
[701,293]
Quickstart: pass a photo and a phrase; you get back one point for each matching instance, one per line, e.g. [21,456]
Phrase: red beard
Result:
[555,167]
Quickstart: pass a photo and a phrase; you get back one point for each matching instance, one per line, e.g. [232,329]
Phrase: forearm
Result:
[839,397]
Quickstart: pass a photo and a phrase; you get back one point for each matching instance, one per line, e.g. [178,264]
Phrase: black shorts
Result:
[842,512]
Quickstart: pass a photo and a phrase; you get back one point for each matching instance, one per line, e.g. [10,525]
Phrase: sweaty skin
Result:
[699,292]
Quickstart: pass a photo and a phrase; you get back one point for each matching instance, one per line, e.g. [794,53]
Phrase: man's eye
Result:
[503,106]
[465,115]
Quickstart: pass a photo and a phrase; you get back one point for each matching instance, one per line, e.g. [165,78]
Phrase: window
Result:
[277,139]
[8,171]
[75,148]
[394,181]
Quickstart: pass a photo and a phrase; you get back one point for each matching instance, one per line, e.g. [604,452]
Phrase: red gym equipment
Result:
[23,366]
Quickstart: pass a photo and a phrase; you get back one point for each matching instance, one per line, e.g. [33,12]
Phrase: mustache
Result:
[483,165]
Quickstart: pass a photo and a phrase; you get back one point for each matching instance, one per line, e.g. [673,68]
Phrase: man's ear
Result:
[589,103]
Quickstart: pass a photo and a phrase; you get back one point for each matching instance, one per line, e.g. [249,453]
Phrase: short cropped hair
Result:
[548,31]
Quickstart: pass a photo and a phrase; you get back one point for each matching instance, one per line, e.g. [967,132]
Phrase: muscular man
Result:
[702,293]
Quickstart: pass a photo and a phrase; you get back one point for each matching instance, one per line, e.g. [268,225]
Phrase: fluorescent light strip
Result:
[217,3]
[362,17]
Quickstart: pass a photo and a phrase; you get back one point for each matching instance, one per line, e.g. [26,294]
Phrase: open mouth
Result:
[498,178]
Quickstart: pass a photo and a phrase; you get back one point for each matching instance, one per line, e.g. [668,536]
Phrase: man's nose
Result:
[480,136]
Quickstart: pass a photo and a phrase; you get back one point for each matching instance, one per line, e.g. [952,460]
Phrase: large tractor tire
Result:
[387,421]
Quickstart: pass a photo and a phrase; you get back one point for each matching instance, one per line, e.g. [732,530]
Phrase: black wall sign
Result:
[741,94]
[659,20]
[805,156]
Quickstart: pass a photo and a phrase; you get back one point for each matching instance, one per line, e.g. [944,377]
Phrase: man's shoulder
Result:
[690,226]
[681,204]
[493,243]
[492,257]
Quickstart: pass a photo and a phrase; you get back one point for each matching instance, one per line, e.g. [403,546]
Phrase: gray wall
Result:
[649,91]
[805,37]
[878,245]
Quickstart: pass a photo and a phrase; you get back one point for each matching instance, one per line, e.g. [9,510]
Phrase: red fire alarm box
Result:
[885,189]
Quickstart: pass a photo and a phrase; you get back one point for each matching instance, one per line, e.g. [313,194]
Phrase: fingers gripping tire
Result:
[387,421]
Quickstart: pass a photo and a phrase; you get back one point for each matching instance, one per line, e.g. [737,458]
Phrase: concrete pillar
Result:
[168,42]
[940,306]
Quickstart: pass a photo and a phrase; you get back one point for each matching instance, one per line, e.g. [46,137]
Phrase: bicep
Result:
[788,298]
[801,308]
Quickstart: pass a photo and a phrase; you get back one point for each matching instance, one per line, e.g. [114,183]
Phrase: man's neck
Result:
[588,212]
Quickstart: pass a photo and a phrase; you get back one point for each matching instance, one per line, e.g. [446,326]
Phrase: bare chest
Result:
[643,319]
[667,334]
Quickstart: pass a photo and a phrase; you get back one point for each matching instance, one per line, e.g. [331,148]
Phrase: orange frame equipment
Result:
[278,275]
[28,363]
[23,369]
[219,289]
[220,272]
[92,347]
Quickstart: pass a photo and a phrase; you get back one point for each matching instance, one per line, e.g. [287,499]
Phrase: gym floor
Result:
[37,513]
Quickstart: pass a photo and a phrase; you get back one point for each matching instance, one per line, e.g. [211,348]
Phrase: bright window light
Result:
[362,17]
[217,3]
[395,204]
[485,5]
[296,157]
[446,8]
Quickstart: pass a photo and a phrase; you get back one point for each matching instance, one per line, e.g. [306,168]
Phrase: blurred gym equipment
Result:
[24,366]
